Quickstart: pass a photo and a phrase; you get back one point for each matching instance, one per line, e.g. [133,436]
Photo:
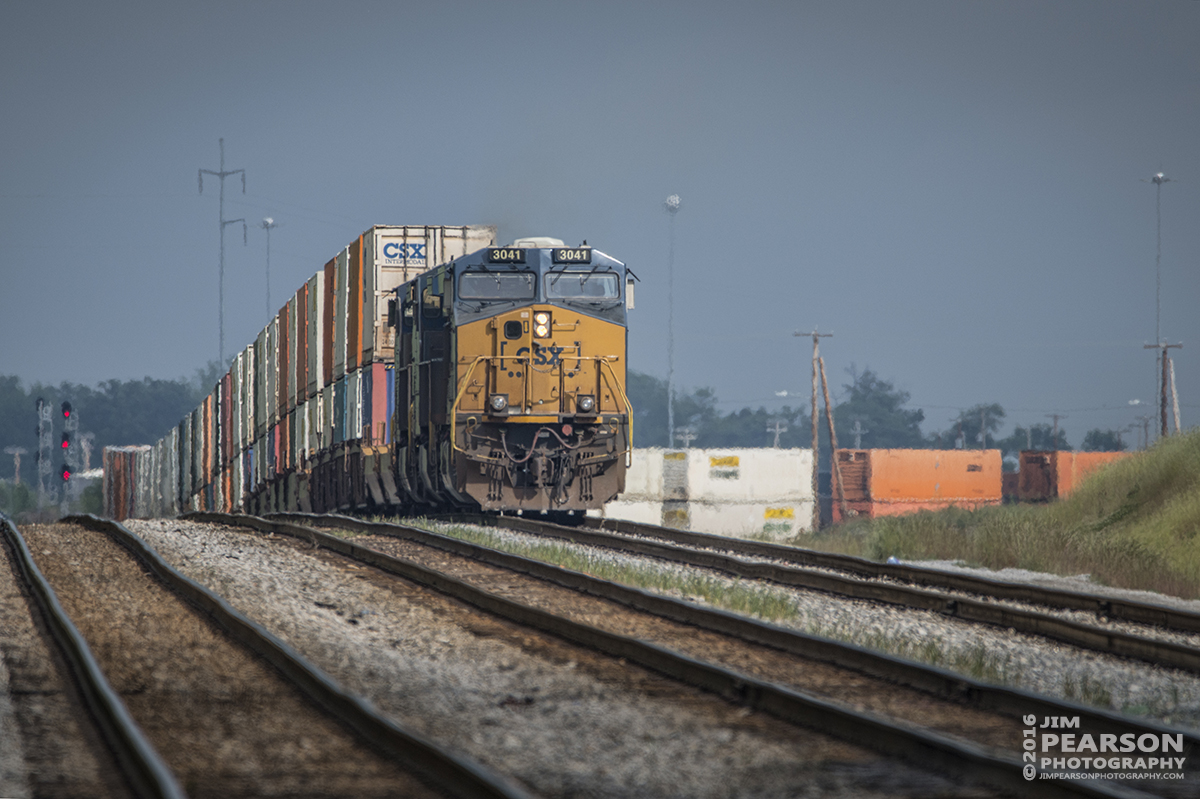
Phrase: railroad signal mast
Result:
[70,452]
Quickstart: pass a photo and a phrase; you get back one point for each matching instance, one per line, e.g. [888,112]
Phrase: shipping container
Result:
[341,293]
[1046,475]
[395,254]
[328,312]
[891,482]
[316,334]
[288,401]
[731,492]
[300,390]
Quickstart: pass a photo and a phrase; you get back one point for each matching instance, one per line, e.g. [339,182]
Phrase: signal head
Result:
[66,440]
[66,410]
[65,473]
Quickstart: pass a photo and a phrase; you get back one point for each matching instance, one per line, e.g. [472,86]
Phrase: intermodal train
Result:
[424,368]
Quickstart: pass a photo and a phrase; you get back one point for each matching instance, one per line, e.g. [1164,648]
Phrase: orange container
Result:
[1047,475]
[890,482]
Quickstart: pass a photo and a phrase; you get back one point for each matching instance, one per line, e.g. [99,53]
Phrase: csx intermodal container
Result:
[1047,475]
[891,482]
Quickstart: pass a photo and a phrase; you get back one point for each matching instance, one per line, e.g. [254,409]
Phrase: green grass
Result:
[1133,524]
[748,598]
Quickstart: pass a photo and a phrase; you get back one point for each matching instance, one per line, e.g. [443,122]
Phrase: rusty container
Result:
[1049,474]
[891,482]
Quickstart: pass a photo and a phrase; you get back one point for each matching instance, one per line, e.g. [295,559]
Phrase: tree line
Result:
[872,410]
[115,412]
[142,411]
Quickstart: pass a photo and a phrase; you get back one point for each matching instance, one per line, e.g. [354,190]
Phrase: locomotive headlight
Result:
[498,402]
[541,324]
[586,403]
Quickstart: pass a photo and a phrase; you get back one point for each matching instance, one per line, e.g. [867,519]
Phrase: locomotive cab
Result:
[510,377]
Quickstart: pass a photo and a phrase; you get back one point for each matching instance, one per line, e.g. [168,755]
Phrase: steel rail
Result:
[147,773]
[1112,607]
[934,680]
[930,749]
[446,770]
[1111,642]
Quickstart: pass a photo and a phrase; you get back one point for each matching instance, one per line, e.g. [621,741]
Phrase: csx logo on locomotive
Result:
[404,251]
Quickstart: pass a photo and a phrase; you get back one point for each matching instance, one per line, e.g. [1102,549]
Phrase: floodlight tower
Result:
[266,225]
[1158,179]
[672,206]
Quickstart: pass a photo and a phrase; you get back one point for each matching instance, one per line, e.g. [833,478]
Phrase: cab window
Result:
[583,285]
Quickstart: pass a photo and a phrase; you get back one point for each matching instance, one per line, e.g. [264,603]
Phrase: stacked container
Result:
[302,419]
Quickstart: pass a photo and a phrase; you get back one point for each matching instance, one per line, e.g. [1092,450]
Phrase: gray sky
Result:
[952,188]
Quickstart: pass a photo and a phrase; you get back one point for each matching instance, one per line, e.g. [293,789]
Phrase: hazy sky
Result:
[954,189]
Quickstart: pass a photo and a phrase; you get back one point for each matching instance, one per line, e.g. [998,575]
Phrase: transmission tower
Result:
[221,175]
[45,431]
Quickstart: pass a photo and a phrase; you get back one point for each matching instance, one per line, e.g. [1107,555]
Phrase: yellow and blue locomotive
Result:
[510,380]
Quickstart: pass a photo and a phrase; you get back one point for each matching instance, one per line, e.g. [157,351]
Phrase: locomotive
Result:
[510,379]
[494,380]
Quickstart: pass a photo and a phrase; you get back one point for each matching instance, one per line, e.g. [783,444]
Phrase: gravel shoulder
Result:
[994,654]
[559,718]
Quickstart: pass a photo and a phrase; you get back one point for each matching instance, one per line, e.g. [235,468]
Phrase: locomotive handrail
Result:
[628,414]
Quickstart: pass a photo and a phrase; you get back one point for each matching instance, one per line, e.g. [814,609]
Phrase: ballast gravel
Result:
[997,655]
[558,718]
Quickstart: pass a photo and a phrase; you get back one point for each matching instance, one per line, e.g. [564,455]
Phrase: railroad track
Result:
[193,699]
[900,709]
[868,580]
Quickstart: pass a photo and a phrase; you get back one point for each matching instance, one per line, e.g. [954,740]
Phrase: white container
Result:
[395,254]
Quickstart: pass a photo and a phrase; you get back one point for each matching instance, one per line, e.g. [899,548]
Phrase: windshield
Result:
[583,285]
[496,286]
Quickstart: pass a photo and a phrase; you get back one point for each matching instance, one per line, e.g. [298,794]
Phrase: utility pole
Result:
[85,442]
[1055,417]
[16,452]
[221,175]
[672,206]
[1145,420]
[777,428]
[836,472]
[266,225]
[858,434]
[816,444]
[1175,398]
[1167,370]
[983,429]
[686,435]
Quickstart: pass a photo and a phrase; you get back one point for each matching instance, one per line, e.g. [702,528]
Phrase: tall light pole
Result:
[1158,180]
[672,206]
[266,225]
